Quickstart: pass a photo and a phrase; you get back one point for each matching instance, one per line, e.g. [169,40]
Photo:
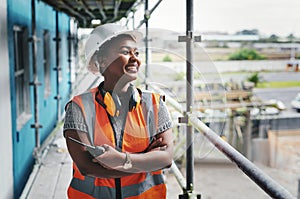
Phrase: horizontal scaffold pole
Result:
[271,187]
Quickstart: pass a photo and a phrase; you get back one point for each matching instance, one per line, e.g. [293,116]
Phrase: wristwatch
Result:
[127,164]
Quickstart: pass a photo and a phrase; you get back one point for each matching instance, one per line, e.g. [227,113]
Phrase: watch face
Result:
[127,165]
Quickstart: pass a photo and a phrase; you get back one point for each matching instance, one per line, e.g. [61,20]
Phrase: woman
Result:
[132,127]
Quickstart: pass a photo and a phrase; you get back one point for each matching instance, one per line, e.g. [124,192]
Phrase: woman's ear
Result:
[102,64]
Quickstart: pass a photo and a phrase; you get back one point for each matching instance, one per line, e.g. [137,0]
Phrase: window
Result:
[21,69]
[47,71]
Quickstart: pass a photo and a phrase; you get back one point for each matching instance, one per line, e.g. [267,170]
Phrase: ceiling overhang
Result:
[107,11]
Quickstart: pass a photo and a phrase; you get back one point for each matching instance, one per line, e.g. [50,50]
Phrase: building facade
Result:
[36,56]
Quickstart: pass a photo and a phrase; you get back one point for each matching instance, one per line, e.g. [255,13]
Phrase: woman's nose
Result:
[133,56]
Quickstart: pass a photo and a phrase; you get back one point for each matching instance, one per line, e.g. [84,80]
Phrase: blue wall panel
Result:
[45,20]
[19,13]
[64,85]
[23,140]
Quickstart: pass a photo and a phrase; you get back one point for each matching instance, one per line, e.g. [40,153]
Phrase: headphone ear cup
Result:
[117,103]
[112,103]
[135,98]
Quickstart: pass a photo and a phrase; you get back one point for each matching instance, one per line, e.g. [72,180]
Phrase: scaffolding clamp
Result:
[36,126]
[34,38]
[190,194]
[147,14]
[189,37]
[35,83]
[57,39]
[58,68]
[185,119]
[58,97]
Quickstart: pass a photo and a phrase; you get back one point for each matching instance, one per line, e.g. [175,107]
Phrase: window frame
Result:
[46,63]
[21,75]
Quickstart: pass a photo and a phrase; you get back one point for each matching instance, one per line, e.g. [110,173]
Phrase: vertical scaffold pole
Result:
[146,18]
[35,83]
[58,67]
[188,38]
[189,94]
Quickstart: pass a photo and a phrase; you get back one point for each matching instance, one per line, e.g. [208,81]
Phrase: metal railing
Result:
[271,187]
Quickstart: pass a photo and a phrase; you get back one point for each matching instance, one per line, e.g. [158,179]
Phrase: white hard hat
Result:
[100,35]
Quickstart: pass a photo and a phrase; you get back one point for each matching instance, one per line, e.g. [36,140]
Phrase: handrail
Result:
[271,187]
[179,177]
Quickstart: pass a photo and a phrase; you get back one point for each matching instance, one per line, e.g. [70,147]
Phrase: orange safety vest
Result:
[140,125]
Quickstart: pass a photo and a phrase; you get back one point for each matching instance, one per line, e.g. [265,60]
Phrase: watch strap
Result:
[127,164]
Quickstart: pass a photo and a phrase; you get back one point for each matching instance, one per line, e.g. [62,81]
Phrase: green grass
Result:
[277,84]
[246,54]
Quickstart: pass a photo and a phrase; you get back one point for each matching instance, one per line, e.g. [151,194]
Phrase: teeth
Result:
[131,68]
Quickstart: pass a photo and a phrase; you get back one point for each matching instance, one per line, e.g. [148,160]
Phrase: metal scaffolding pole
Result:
[35,83]
[188,38]
[147,14]
[58,68]
[146,18]
[189,94]
[271,187]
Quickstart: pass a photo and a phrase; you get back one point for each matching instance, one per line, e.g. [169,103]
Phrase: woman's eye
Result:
[125,52]
[136,53]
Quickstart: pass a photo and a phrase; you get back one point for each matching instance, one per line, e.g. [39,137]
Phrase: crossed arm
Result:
[110,164]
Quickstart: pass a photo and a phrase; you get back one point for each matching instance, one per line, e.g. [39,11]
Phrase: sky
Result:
[280,17]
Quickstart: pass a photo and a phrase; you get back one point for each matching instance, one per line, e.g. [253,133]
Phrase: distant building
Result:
[222,37]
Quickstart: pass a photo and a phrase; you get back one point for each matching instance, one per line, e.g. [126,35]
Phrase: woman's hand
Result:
[156,145]
[111,158]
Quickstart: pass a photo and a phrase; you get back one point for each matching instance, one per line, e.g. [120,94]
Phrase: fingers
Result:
[157,142]
[106,147]
[160,148]
[163,148]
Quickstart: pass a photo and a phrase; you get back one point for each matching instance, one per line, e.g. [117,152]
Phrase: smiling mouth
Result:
[131,68]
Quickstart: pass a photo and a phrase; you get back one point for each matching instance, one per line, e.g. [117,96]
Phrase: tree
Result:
[246,54]
[255,78]
[273,38]
[248,32]
[291,37]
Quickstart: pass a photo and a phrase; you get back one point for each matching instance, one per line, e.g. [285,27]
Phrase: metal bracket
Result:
[35,83]
[183,120]
[36,126]
[34,39]
[57,39]
[57,68]
[147,15]
[189,37]
[58,97]
[190,196]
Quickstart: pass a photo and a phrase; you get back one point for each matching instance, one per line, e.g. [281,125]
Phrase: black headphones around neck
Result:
[112,103]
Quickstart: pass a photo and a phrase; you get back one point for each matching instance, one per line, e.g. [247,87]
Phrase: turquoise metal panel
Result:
[19,13]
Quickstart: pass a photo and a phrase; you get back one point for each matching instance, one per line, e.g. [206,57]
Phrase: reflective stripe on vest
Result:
[87,186]
[143,122]
[90,112]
